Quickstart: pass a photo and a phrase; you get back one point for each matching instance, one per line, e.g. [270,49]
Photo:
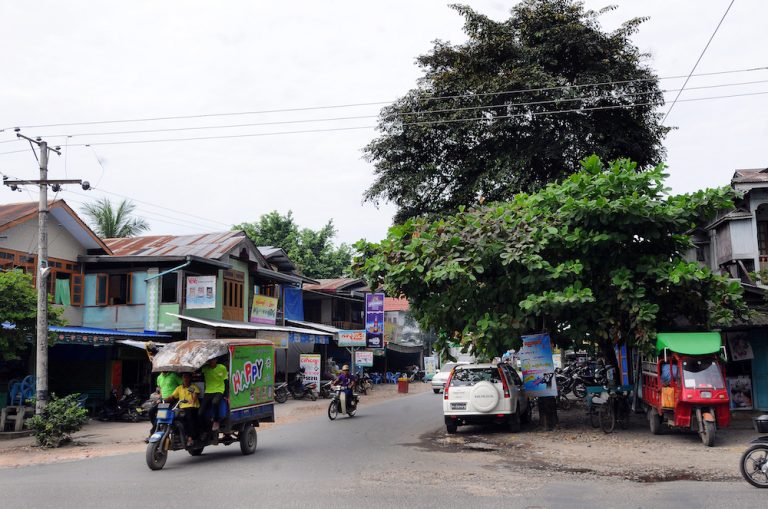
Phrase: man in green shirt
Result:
[215,374]
[166,384]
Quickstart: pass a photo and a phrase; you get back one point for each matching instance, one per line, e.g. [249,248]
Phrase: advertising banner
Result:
[741,348]
[537,366]
[264,310]
[374,320]
[201,292]
[251,375]
[364,359]
[354,338]
[311,364]
[430,365]
[740,392]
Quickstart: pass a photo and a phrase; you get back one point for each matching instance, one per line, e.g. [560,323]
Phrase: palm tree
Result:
[110,223]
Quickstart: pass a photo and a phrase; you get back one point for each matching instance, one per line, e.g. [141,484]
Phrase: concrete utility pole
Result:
[41,276]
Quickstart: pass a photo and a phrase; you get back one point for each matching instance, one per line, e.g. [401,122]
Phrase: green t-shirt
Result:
[168,383]
[214,378]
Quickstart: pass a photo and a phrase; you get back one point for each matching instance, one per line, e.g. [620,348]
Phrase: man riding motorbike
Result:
[347,382]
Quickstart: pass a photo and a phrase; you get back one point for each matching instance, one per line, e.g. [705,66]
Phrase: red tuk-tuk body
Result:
[685,387]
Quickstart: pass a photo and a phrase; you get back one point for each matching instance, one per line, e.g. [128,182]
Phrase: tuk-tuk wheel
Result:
[197,451]
[655,421]
[248,439]
[708,433]
[156,456]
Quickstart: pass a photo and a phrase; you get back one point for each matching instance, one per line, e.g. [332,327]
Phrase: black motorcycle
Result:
[754,461]
[122,409]
[338,407]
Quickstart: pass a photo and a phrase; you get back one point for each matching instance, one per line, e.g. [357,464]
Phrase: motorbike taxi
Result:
[248,399]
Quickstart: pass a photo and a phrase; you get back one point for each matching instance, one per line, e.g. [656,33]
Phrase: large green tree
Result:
[597,257]
[18,313]
[312,251]
[110,221]
[430,159]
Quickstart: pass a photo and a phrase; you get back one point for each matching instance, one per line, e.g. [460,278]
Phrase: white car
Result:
[485,393]
[438,381]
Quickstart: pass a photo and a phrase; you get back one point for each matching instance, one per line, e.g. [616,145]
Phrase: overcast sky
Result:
[80,61]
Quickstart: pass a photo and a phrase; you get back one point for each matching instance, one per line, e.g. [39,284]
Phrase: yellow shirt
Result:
[187,393]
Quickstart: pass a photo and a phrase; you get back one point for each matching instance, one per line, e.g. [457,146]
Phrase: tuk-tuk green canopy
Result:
[689,343]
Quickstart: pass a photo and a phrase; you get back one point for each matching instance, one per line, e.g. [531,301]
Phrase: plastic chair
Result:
[14,393]
[81,400]
[27,389]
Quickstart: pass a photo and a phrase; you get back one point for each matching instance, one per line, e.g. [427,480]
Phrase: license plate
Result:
[458,406]
[706,394]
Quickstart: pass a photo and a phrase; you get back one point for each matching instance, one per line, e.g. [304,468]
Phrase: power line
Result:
[422,112]
[698,60]
[13,152]
[419,123]
[378,103]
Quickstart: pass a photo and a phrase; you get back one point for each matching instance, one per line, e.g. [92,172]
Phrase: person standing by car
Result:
[214,374]
[166,383]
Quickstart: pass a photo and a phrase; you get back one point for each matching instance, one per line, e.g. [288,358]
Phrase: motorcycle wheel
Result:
[594,416]
[351,411]
[563,403]
[197,451]
[281,396]
[708,433]
[580,390]
[313,396]
[333,410]
[131,415]
[248,439]
[156,456]
[607,417]
[751,465]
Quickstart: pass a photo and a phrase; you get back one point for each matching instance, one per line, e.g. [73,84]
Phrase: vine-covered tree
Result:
[543,89]
[599,256]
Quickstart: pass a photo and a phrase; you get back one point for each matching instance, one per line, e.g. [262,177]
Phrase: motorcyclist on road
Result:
[347,382]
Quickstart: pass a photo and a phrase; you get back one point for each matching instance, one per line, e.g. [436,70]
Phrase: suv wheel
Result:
[451,428]
[513,421]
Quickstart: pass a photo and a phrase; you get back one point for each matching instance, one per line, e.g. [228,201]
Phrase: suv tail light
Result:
[447,384]
[504,383]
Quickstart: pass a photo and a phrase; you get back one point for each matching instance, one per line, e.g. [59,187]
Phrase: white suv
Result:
[438,381]
[482,393]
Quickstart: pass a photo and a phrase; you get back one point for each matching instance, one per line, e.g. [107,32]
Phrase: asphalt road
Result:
[379,458]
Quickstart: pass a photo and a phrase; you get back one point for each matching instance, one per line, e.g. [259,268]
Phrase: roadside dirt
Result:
[633,454]
[98,439]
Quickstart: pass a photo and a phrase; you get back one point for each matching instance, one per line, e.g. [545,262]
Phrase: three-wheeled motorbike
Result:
[249,398]
[684,386]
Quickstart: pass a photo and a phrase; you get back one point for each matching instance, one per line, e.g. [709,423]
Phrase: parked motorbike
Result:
[363,384]
[281,392]
[338,406]
[754,461]
[325,389]
[122,409]
[300,389]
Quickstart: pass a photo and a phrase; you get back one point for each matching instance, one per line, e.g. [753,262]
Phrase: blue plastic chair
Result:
[14,393]
[27,389]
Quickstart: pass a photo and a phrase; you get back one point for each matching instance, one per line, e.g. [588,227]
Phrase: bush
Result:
[61,417]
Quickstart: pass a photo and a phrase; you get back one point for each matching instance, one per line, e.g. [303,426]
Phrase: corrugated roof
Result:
[337,285]
[394,304]
[750,176]
[11,212]
[214,245]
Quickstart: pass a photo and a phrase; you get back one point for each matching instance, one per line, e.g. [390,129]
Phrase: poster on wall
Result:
[264,310]
[740,392]
[537,366]
[311,364]
[741,348]
[430,365]
[374,320]
[364,359]
[352,338]
[201,292]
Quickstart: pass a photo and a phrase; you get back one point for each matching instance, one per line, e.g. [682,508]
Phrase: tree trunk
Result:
[548,412]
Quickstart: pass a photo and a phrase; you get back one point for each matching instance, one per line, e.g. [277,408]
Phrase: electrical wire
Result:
[13,152]
[698,60]
[376,103]
[422,112]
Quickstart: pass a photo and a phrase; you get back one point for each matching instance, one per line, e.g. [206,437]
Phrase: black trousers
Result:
[210,401]
[190,422]
[152,414]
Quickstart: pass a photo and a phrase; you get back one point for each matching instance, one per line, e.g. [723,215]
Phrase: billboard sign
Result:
[311,364]
[537,366]
[364,359]
[201,292]
[352,338]
[264,310]
[251,375]
[374,320]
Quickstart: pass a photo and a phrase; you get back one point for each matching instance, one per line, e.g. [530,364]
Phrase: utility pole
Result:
[43,270]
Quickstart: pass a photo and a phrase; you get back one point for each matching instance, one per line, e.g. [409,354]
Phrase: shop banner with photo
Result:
[741,348]
[364,359]
[201,292]
[251,374]
[537,366]
[430,365]
[311,364]
[352,338]
[264,310]
[740,392]
[374,320]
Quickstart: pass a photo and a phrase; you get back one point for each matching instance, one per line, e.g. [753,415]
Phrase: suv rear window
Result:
[469,377]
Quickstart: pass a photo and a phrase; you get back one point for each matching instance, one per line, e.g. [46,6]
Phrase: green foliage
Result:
[311,250]
[18,306]
[59,419]
[598,256]
[109,222]
[431,162]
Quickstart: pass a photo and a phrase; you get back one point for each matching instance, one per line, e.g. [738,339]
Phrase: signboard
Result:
[374,320]
[311,364]
[354,338]
[740,392]
[430,365]
[537,366]
[264,310]
[251,375]
[364,359]
[201,292]
[741,348]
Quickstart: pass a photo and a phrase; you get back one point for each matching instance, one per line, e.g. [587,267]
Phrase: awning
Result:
[689,343]
[98,337]
[404,348]
[319,326]
[280,335]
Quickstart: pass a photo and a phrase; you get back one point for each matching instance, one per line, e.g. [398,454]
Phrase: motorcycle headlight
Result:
[162,413]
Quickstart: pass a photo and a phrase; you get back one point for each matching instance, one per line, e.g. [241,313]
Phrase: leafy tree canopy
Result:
[18,313]
[312,251]
[430,160]
[109,222]
[599,256]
